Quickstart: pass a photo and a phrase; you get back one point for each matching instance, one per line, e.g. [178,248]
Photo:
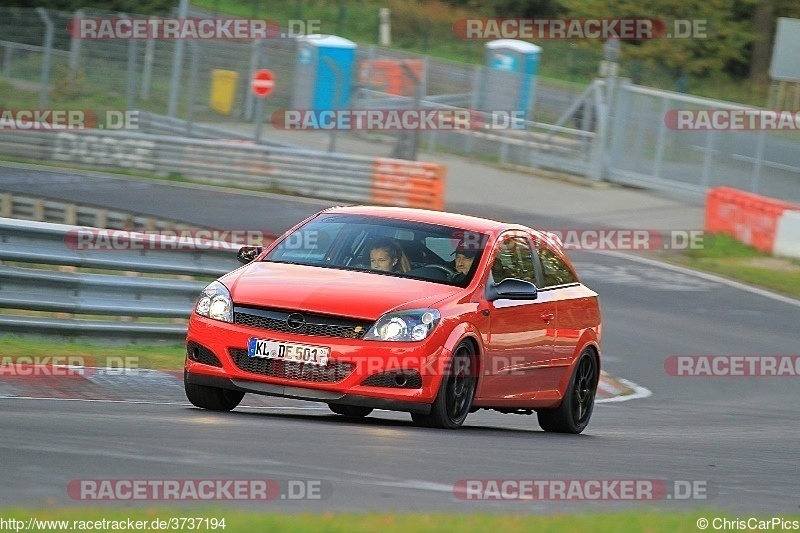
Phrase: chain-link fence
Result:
[570,127]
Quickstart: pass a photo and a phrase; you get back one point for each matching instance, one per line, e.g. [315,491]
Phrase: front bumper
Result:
[302,393]
[363,358]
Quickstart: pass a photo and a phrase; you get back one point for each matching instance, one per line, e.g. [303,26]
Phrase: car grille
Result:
[300,323]
[333,372]
[201,354]
[408,379]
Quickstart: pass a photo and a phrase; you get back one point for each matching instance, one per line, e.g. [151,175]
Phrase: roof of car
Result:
[441,218]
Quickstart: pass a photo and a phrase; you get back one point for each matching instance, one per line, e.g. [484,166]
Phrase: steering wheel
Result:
[446,269]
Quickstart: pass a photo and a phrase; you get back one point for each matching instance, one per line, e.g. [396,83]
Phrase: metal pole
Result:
[177,64]
[255,60]
[194,68]
[759,159]
[418,90]
[48,48]
[147,68]
[259,119]
[74,52]
[131,93]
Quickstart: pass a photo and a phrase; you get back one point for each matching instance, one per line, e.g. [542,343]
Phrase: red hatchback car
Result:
[432,313]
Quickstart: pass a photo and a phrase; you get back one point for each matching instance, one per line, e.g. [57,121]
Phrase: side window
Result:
[514,260]
[554,270]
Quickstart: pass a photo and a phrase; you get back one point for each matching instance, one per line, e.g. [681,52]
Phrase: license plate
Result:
[288,351]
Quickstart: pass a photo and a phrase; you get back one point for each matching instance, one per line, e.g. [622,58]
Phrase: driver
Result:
[463,261]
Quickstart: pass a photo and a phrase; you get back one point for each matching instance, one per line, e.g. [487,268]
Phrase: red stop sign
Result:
[262,83]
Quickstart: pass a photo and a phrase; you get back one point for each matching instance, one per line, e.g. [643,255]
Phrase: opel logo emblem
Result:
[295,320]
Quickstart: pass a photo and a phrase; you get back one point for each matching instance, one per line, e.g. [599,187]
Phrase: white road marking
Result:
[706,276]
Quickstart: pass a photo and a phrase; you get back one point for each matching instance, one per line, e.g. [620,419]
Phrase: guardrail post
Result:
[71,214]
[38,210]
[101,218]
[6,206]
[48,49]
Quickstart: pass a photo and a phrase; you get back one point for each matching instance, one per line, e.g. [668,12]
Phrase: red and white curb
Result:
[166,387]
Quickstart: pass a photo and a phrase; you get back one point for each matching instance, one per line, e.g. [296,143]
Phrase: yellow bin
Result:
[223,90]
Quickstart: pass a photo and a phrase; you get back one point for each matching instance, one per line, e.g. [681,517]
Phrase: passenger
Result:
[387,255]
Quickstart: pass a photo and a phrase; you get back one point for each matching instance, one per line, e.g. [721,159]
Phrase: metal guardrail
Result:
[138,285]
[164,125]
[350,178]
[13,205]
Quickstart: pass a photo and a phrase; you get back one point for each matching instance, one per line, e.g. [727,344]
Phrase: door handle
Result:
[547,317]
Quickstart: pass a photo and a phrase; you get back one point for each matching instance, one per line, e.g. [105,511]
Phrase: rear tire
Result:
[351,411]
[454,400]
[212,398]
[573,415]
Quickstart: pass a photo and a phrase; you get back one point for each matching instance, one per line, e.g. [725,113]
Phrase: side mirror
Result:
[248,253]
[511,289]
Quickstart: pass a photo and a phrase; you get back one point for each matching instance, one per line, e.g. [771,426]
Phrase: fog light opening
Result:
[400,380]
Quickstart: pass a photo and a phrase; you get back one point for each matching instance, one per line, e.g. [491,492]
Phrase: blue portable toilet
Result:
[323,61]
[509,76]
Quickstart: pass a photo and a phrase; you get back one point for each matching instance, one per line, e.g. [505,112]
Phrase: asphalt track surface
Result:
[738,436]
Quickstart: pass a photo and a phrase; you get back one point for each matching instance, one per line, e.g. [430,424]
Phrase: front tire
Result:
[212,398]
[573,415]
[351,411]
[454,400]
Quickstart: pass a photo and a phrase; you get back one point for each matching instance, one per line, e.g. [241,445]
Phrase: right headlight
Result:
[411,325]
[215,302]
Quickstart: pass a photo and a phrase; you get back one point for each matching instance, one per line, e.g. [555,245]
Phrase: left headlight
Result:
[411,325]
[215,302]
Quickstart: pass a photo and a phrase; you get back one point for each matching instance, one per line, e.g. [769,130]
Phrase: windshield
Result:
[384,246]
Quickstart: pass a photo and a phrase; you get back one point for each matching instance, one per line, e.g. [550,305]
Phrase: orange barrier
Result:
[747,217]
[405,183]
[391,76]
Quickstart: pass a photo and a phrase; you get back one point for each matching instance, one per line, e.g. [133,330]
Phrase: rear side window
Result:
[554,270]
[514,260]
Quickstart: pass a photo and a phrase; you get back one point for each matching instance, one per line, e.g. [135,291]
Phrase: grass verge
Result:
[724,255]
[160,357]
[247,521]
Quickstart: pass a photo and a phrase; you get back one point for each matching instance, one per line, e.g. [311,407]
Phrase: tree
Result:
[723,48]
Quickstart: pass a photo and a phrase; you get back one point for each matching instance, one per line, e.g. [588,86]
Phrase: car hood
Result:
[330,291]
